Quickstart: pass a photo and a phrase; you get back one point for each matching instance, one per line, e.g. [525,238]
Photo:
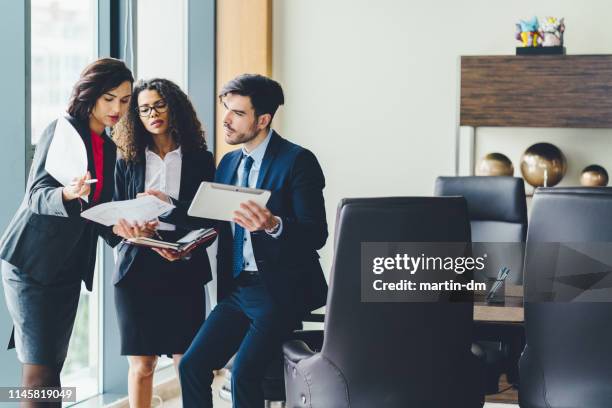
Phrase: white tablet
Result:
[219,201]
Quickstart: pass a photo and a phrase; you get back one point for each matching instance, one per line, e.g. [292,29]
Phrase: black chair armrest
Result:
[296,351]
[312,338]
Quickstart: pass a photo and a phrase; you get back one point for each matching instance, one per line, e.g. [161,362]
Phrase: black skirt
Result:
[159,308]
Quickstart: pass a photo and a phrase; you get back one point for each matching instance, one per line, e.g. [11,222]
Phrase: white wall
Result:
[372,87]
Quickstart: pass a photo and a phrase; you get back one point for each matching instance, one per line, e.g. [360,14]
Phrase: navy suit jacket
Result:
[289,265]
[197,166]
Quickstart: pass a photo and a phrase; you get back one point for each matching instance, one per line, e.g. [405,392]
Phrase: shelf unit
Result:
[544,91]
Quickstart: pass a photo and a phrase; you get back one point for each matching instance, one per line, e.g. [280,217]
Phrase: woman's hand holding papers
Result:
[167,254]
[128,230]
[171,255]
[78,188]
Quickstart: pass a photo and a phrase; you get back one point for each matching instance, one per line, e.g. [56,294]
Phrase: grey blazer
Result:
[47,238]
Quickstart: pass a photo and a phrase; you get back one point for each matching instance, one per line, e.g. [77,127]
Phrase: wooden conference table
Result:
[510,312]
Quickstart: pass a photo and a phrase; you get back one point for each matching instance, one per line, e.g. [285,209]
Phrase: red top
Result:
[97,146]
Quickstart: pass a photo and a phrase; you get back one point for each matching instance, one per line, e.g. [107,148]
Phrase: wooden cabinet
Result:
[537,91]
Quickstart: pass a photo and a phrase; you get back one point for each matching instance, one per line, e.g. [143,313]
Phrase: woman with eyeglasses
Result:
[160,301]
[48,248]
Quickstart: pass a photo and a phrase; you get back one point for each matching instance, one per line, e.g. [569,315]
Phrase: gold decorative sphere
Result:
[543,165]
[495,164]
[594,176]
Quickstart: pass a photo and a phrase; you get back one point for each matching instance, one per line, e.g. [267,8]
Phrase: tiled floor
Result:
[176,403]
[218,403]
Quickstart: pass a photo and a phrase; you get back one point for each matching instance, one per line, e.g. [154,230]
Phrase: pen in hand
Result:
[90,181]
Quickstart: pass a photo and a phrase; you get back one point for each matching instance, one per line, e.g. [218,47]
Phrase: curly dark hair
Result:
[184,126]
[96,79]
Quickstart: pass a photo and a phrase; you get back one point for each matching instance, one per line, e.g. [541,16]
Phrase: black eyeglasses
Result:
[160,107]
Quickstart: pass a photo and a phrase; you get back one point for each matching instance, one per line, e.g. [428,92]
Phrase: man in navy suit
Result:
[268,271]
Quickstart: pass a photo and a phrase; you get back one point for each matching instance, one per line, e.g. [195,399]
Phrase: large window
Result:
[63,42]
[66,35]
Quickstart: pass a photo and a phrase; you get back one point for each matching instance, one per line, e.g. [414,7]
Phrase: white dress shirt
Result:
[257,154]
[164,175]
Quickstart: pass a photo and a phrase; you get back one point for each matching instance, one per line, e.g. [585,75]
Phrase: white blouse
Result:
[165,176]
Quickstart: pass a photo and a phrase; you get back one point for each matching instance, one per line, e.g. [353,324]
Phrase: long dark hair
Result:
[183,124]
[96,79]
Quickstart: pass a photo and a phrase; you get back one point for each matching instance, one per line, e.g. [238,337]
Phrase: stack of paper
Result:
[67,155]
[141,209]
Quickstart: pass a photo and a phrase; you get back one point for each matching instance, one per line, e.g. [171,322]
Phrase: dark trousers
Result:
[245,323]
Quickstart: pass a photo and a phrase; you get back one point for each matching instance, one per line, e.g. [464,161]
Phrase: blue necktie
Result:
[238,264]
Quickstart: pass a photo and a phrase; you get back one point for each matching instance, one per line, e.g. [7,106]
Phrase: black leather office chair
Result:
[395,355]
[568,358]
[498,213]
[273,384]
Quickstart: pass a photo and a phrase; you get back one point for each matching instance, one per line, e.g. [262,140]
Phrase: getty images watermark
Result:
[418,271]
[413,264]
[456,271]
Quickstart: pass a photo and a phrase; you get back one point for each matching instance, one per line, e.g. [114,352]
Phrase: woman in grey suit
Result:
[48,248]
